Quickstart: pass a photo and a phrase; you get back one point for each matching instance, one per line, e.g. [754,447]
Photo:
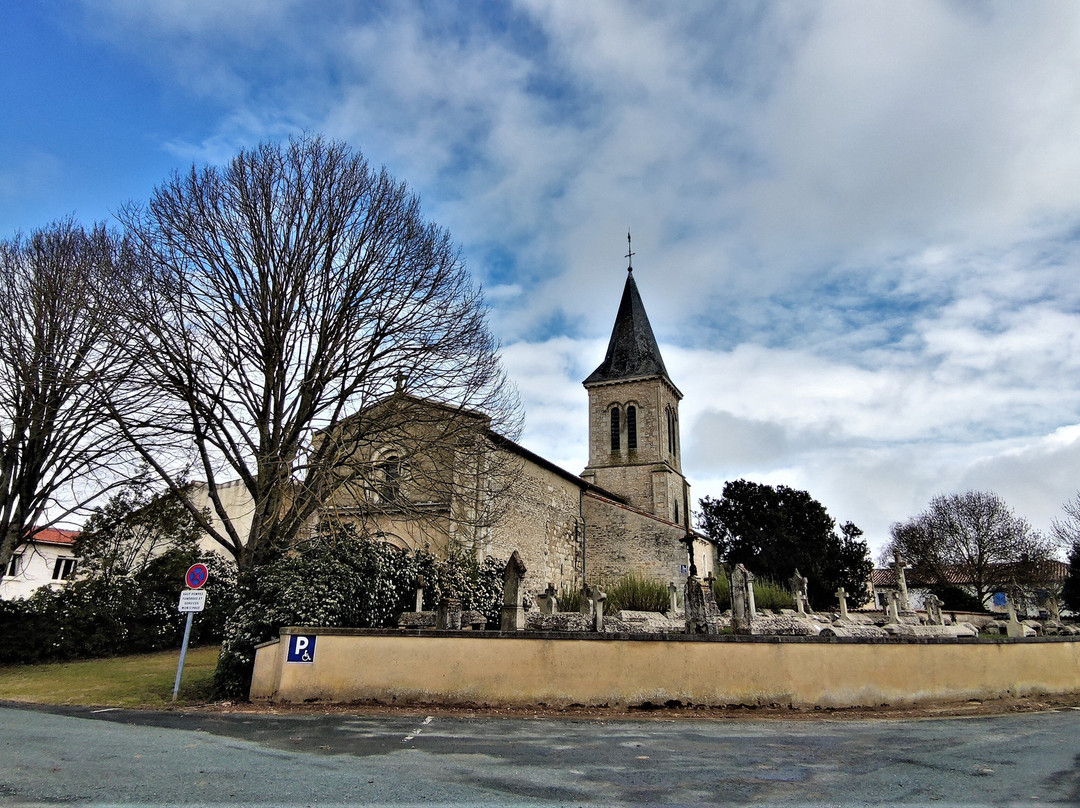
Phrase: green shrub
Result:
[342,579]
[767,593]
[116,614]
[637,593]
[568,599]
[722,589]
[770,595]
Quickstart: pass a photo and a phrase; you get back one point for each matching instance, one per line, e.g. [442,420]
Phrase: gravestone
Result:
[513,613]
[743,609]
[934,617]
[598,599]
[586,607]
[420,584]
[841,596]
[697,610]
[548,600]
[892,607]
[904,604]
[799,589]
[1015,627]
[448,618]
[673,597]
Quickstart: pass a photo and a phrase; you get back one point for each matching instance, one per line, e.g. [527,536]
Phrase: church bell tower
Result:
[634,445]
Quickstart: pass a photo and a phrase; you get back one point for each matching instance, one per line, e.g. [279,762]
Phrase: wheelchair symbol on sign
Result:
[301,648]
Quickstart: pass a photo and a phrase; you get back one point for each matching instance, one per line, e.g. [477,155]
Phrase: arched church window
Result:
[676,511]
[631,427]
[670,431]
[615,429]
[389,480]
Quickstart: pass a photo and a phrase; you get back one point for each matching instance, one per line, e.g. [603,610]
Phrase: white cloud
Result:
[856,223]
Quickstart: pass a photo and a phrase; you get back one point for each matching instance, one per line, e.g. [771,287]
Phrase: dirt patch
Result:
[666,712]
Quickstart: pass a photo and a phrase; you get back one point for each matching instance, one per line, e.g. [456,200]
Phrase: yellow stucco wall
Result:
[388,666]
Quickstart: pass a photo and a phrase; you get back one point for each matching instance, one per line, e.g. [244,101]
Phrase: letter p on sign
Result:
[301,648]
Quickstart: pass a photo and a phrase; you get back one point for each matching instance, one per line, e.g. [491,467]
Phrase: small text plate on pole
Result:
[196,576]
[192,600]
[301,648]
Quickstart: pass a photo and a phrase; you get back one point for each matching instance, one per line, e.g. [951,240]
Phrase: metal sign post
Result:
[191,601]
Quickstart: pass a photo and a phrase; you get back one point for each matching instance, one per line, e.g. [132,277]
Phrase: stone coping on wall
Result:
[637,636]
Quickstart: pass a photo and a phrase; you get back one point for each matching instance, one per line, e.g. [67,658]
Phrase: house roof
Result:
[632,352]
[1050,570]
[55,535]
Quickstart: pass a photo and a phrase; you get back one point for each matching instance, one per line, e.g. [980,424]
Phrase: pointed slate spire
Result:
[632,351]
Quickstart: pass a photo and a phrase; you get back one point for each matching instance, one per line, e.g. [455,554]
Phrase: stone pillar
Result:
[673,598]
[513,614]
[743,608]
[448,617]
[841,596]
[696,607]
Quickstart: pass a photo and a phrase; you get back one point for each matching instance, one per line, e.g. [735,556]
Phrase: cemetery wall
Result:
[524,669]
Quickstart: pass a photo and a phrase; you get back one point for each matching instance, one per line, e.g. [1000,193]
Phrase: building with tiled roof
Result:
[48,559]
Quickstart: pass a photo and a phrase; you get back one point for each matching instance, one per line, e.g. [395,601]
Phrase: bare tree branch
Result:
[285,291]
[59,357]
[972,539]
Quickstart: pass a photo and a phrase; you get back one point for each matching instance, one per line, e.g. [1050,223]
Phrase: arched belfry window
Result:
[616,427]
[631,428]
[672,430]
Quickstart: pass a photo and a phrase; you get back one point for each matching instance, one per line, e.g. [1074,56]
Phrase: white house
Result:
[48,559]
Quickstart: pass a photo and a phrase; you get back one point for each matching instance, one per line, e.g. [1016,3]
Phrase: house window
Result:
[631,427]
[615,427]
[63,569]
[14,565]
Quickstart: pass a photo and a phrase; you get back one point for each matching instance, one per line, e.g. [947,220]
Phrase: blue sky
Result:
[855,222]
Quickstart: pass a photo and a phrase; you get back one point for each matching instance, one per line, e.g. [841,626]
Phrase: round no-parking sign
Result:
[196,576]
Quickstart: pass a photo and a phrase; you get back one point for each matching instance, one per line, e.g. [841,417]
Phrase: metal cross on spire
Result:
[629,253]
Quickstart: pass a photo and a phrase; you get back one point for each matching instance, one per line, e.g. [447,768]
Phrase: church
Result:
[420,474]
[440,478]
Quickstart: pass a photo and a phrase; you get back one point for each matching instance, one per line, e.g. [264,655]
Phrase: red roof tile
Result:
[56,535]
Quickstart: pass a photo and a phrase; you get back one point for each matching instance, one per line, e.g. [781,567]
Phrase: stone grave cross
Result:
[798,587]
[841,595]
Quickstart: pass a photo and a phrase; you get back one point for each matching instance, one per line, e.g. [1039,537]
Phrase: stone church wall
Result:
[620,540]
[543,524]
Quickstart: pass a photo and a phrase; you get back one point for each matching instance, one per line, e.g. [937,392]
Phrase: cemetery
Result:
[691,654]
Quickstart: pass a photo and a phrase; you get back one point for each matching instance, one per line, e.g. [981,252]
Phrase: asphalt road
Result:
[78,756]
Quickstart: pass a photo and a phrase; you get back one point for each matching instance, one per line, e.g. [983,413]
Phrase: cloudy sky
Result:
[857,224]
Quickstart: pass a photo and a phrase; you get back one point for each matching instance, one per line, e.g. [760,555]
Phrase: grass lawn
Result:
[142,680]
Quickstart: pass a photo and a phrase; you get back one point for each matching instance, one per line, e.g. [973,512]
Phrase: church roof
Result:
[632,352]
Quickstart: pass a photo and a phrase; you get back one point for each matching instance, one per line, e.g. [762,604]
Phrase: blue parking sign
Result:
[301,648]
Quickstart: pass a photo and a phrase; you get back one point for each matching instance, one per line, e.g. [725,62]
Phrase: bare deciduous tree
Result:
[974,540]
[59,356]
[289,289]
